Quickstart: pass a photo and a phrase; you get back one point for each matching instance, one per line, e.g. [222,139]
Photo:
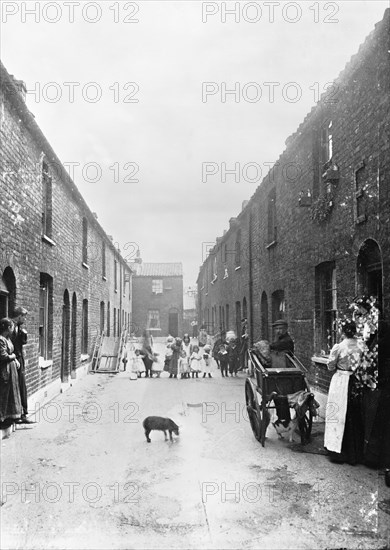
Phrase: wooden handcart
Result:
[285,377]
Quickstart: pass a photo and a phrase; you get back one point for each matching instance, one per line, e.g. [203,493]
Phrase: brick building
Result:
[158,298]
[317,230]
[55,258]
[189,311]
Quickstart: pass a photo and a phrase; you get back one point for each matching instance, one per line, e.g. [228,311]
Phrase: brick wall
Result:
[25,253]
[358,106]
[171,300]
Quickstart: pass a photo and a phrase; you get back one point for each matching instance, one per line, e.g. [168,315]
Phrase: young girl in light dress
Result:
[184,369]
[206,361]
[138,365]
[195,362]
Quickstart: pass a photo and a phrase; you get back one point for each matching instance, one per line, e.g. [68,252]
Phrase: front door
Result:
[173,324]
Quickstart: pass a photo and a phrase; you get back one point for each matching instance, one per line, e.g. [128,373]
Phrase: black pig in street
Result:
[159,423]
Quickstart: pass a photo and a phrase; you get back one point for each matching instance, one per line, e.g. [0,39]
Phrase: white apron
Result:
[336,410]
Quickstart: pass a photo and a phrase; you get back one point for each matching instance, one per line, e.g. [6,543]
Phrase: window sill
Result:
[45,363]
[116,291]
[322,359]
[104,278]
[237,268]
[84,357]
[270,245]
[85,266]
[48,240]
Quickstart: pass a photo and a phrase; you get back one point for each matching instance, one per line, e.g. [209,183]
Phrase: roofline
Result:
[13,94]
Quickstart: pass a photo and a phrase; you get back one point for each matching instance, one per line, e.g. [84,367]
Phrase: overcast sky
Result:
[137,105]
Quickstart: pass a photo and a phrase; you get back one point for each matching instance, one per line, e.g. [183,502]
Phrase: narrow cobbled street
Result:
[85,477]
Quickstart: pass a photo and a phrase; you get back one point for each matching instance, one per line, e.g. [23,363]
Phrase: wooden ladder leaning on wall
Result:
[108,353]
[97,350]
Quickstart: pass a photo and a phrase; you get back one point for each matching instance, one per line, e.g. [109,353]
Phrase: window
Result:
[325,306]
[114,322]
[227,317]
[215,275]
[238,249]
[45,316]
[108,319]
[157,286]
[225,253]
[370,270]
[85,241]
[115,276]
[7,293]
[47,201]
[322,157]
[244,309]
[101,317]
[278,305]
[153,321]
[360,195]
[272,216]
[264,317]
[326,144]
[103,259]
[238,319]
[84,328]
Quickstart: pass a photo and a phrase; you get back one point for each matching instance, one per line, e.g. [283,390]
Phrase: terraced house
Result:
[317,230]
[55,258]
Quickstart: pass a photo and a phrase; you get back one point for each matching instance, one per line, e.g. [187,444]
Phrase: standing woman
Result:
[174,363]
[343,429]
[10,403]
[187,347]
[147,353]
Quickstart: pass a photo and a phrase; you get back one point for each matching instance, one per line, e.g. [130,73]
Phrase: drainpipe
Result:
[250,258]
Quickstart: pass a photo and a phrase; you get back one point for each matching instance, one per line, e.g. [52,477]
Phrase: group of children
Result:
[227,355]
[187,360]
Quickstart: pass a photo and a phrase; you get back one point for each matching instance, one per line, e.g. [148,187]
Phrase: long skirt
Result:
[350,447]
[10,403]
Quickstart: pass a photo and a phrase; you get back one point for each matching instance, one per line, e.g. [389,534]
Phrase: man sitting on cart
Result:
[283,341]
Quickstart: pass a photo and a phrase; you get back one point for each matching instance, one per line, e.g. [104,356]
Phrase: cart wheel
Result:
[258,420]
[305,426]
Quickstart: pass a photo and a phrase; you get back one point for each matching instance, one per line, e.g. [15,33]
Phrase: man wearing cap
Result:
[19,338]
[283,341]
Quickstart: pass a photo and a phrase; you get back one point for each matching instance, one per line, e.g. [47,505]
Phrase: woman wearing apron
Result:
[343,428]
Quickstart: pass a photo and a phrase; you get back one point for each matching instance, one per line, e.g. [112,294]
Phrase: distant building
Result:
[190,325]
[158,298]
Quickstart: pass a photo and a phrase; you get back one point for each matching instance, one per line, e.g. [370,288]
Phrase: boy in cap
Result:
[283,341]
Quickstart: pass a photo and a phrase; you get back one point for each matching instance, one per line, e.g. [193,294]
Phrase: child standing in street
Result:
[233,357]
[168,353]
[138,365]
[223,360]
[183,365]
[195,362]
[207,361]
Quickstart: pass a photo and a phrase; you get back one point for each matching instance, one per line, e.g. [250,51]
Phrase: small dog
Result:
[286,427]
[162,424]
[301,401]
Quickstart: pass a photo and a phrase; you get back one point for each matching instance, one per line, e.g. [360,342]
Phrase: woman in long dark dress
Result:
[343,428]
[10,403]
[147,353]
[174,363]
